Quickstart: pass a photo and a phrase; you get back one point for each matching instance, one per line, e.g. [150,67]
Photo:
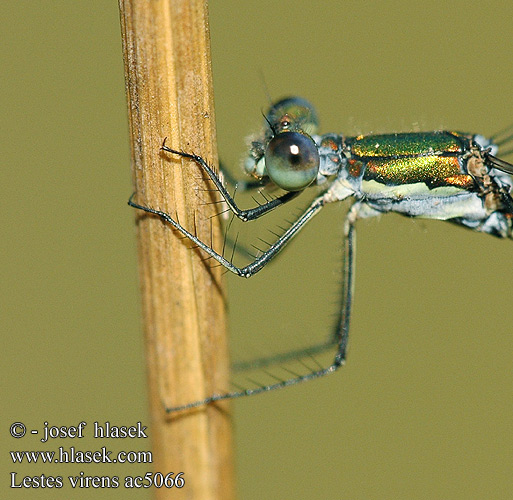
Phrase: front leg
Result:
[243,215]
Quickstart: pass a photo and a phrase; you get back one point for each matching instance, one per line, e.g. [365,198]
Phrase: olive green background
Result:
[423,408]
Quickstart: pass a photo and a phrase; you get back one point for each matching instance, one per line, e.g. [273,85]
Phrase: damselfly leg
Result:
[243,215]
[441,174]
[340,337]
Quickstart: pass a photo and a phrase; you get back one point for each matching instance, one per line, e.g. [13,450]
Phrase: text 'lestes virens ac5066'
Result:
[445,175]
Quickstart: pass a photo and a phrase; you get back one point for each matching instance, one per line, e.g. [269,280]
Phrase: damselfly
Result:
[443,175]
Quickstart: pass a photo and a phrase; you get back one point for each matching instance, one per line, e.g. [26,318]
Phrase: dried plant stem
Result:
[169,88]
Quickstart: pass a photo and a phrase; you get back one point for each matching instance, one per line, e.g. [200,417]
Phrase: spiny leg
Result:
[283,357]
[260,262]
[342,333]
[244,215]
[504,136]
[359,210]
[341,336]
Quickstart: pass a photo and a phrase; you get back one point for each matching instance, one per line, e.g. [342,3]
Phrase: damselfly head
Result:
[286,153]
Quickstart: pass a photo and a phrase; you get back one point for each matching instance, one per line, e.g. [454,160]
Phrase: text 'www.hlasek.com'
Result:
[74,455]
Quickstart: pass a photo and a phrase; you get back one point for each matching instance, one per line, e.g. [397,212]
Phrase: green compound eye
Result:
[292,160]
[298,112]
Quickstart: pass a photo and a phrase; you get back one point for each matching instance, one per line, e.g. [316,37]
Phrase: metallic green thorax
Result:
[408,144]
[433,158]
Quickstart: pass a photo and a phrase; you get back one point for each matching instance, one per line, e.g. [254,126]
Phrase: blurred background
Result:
[423,407]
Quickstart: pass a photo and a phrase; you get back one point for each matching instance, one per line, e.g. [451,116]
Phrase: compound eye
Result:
[292,160]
